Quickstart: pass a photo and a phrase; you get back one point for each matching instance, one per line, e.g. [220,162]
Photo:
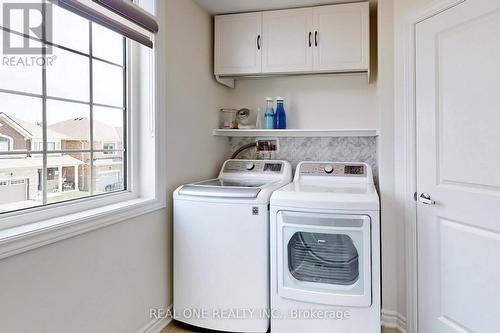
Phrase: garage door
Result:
[13,190]
[106,180]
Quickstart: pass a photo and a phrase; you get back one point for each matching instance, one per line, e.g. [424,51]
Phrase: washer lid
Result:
[319,195]
[219,188]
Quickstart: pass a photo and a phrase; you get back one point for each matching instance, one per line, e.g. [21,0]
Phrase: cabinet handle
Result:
[316,38]
[310,35]
[258,42]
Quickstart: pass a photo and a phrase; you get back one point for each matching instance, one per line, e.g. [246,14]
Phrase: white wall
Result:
[193,96]
[345,101]
[102,281]
[392,272]
[393,229]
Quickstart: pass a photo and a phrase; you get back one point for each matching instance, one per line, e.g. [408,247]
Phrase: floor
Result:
[175,327]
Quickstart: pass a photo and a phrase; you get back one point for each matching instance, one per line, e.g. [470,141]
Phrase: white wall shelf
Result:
[294,132]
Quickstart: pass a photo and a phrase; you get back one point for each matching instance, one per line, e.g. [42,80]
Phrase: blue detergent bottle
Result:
[269,115]
[280,115]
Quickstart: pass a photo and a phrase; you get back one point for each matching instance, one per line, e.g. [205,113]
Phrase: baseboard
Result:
[392,319]
[156,325]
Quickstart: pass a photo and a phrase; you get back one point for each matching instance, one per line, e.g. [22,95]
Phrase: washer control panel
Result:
[253,166]
[333,169]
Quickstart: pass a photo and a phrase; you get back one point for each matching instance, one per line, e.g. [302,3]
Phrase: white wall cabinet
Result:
[287,37]
[323,39]
[341,38]
[238,40]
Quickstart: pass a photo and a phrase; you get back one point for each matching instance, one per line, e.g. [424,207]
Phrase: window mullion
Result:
[91,116]
[44,108]
[125,131]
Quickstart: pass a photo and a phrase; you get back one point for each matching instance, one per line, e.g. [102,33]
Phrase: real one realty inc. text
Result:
[242,314]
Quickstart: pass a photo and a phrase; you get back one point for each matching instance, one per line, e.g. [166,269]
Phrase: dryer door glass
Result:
[323,258]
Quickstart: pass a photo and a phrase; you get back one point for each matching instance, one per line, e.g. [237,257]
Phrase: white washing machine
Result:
[325,251]
[221,246]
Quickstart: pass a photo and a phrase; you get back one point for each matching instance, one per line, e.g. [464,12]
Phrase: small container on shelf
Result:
[258,123]
[269,115]
[228,119]
[280,115]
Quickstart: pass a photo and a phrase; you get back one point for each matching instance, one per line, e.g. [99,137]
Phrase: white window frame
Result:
[51,143]
[111,152]
[9,140]
[28,229]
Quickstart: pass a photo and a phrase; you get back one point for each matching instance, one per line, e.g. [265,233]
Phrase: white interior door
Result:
[341,37]
[458,166]
[288,41]
[238,44]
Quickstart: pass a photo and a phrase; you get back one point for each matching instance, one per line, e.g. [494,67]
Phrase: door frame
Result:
[406,151]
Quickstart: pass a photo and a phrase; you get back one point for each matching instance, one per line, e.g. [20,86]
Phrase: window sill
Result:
[31,236]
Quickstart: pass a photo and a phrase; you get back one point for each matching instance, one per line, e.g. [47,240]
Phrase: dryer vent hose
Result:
[242,148]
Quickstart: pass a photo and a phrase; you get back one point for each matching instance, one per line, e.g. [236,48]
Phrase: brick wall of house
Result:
[75,145]
[19,141]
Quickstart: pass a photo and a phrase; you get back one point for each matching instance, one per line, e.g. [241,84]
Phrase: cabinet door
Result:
[286,35]
[238,44]
[342,37]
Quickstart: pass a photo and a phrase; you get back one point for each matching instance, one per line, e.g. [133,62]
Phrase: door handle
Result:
[310,36]
[426,199]
[316,38]
[258,42]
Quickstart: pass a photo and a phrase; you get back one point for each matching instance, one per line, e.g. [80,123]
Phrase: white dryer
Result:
[325,251]
[221,246]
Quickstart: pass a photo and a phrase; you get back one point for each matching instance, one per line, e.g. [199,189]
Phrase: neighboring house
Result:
[21,174]
[18,134]
[108,164]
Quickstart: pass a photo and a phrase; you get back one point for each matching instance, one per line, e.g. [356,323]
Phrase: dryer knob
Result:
[250,166]
[329,168]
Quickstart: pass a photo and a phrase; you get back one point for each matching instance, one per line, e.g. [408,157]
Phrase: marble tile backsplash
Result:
[335,149]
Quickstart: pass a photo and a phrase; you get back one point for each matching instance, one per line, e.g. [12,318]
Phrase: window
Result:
[109,148]
[65,109]
[51,146]
[4,144]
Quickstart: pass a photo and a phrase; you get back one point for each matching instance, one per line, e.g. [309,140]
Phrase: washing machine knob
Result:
[250,166]
[329,168]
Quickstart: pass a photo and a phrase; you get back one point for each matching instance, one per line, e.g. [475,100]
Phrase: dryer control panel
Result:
[333,169]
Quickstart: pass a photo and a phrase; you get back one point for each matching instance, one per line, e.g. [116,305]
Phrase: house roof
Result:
[30,130]
[36,162]
[79,129]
